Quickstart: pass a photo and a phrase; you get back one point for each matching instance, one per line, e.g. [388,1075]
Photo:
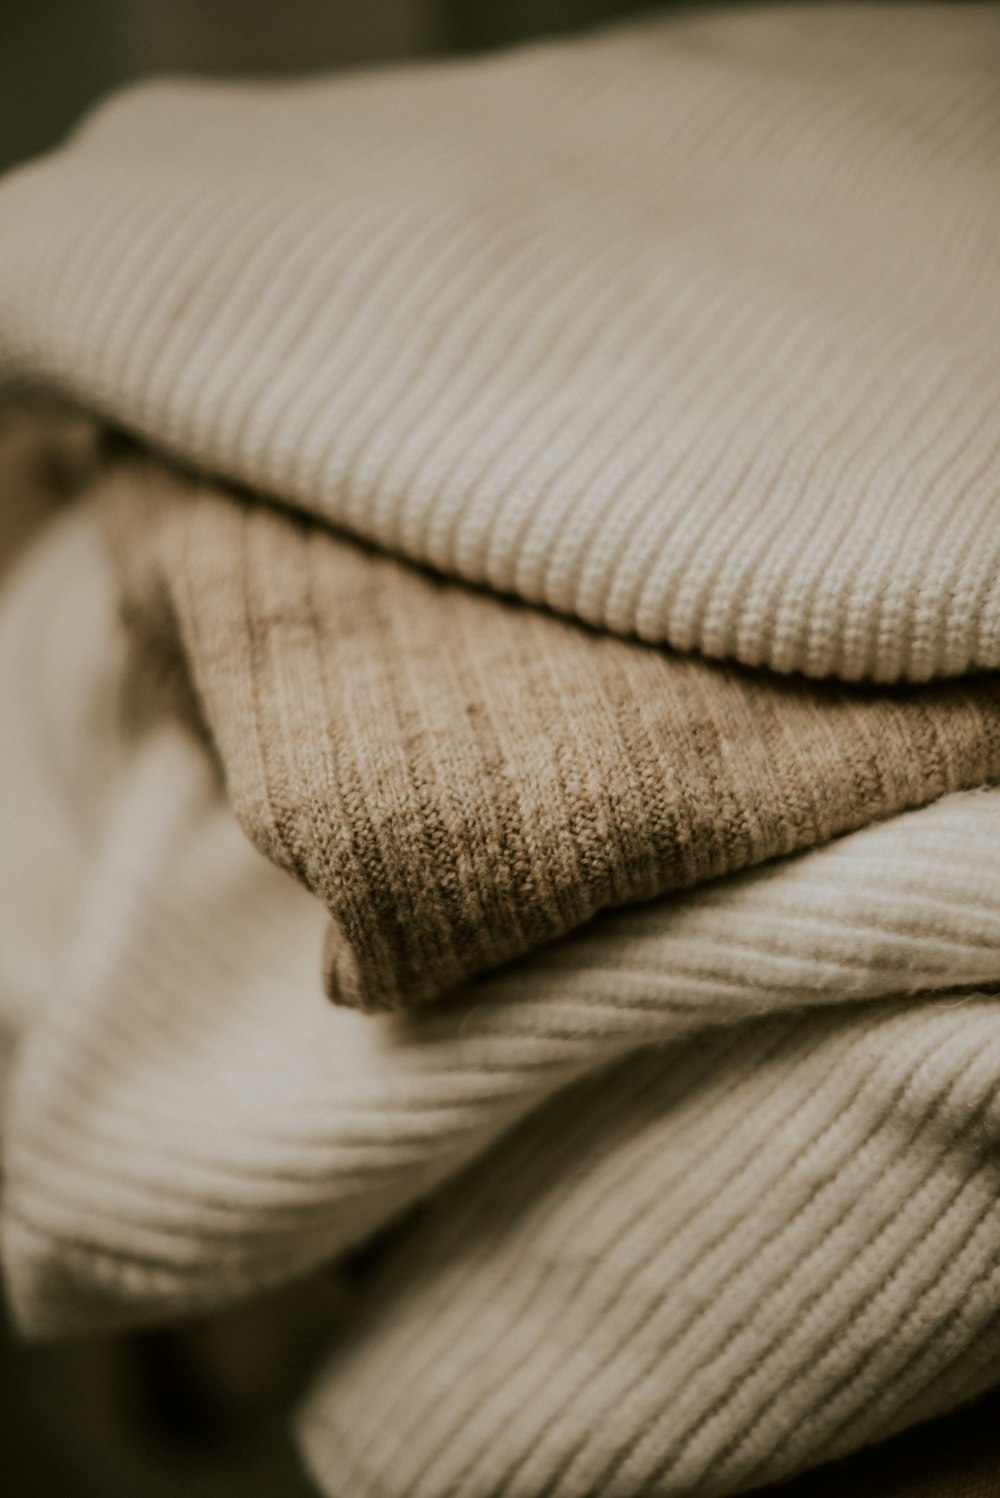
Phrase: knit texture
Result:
[715,1266]
[462,779]
[691,330]
[187,1122]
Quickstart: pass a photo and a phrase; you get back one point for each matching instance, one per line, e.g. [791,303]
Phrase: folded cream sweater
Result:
[769,1238]
[690,329]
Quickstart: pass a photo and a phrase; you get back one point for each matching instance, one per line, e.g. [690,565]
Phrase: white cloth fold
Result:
[789,1196]
[690,329]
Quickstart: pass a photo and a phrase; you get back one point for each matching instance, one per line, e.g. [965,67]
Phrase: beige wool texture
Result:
[461,778]
[760,1228]
[691,330]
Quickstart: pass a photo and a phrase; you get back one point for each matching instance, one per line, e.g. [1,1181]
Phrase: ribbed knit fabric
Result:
[461,779]
[691,330]
[187,1121]
[712,1267]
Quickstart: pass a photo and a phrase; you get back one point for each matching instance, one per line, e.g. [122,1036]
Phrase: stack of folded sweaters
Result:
[549,507]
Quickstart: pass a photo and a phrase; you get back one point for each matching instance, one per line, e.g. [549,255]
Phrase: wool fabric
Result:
[187,1122]
[691,330]
[719,1264]
[462,779]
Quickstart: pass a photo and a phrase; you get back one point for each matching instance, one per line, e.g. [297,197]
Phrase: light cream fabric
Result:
[706,1270]
[779,1224]
[691,330]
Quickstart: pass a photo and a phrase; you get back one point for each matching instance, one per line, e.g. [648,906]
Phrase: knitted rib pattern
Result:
[691,330]
[712,1267]
[187,1122]
[461,779]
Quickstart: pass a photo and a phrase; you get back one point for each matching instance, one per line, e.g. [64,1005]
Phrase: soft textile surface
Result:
[461,779]
[782,1231]
[710,1268]
[691,330]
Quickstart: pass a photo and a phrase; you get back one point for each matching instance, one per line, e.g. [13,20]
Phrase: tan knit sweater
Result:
[462,779]
[690,332]
[773,1236]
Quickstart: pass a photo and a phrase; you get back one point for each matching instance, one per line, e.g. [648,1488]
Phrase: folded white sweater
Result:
[772,1239]
[690,329]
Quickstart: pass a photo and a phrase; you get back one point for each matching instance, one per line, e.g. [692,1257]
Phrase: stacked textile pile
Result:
[661,925]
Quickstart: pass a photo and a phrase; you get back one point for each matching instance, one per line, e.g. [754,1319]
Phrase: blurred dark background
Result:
[57,56]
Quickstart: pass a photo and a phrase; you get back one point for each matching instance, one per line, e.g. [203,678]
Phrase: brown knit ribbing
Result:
[461,778]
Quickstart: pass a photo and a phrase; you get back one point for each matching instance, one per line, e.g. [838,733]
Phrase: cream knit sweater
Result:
[691,330]
[753,1246]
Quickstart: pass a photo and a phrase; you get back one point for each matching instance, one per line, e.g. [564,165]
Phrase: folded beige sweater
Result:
[461,779]
[714,1266]
[768,1236]
[690,329]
